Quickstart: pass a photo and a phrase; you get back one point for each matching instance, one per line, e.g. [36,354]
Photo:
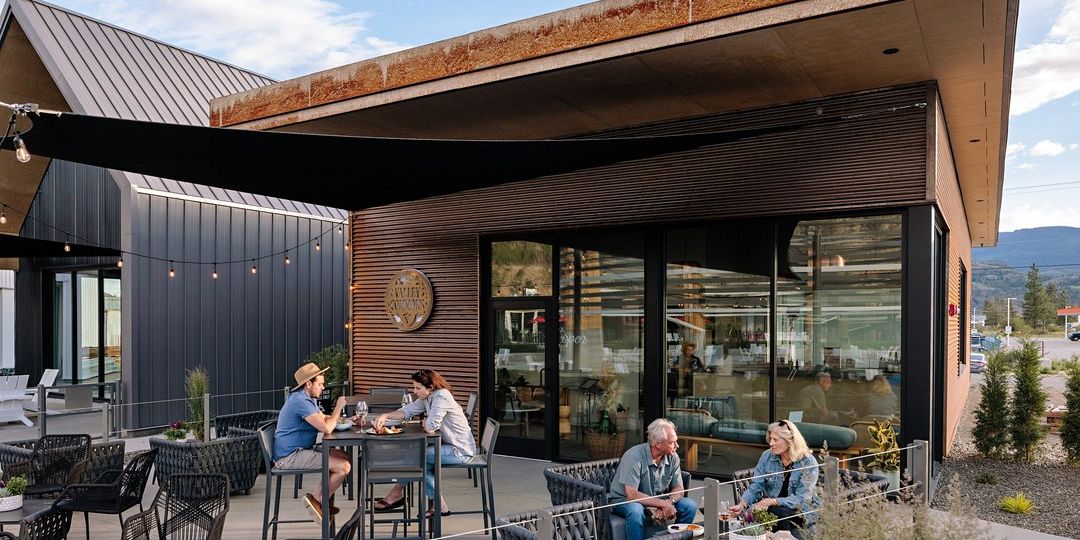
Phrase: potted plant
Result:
[11,493]
[564,410]
[604,440]
[197,384]
[335,357]
[754,525]
[176,431]
[886,462]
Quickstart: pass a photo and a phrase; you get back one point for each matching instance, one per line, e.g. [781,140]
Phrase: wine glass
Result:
[725,514]
[362,410]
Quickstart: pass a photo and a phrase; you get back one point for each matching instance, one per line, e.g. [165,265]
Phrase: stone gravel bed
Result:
[1053,486]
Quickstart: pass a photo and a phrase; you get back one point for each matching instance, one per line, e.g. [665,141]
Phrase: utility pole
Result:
[1008,320]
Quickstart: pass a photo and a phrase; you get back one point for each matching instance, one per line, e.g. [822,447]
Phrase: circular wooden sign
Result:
[408,299]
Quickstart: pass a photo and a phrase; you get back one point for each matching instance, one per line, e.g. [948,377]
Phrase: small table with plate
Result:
[355,436]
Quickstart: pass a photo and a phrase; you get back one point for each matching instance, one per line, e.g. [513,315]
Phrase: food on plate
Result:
[385,430]
[694,528]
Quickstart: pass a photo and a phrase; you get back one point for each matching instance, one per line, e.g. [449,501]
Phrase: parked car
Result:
[977,362]
[1075,336]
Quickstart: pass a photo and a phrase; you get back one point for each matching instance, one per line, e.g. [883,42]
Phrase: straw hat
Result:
[307,372]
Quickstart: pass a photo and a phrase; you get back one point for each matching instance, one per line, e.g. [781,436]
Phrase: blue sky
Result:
[288,38]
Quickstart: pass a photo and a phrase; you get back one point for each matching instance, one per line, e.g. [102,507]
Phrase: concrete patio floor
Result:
[518,484]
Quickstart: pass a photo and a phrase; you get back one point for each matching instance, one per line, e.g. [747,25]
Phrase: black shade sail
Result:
[19,246]
[352,173]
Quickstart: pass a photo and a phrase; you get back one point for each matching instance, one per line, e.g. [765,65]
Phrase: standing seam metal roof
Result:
[104,70]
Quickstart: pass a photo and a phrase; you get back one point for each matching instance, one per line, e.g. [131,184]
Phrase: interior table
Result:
[355,437]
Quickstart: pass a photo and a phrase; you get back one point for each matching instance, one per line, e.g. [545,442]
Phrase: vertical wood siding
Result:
[951,205]
[876,161]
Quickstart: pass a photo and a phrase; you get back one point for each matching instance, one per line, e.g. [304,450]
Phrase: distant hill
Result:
[994,272]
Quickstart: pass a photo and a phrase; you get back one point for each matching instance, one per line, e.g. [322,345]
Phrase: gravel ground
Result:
[1048,482]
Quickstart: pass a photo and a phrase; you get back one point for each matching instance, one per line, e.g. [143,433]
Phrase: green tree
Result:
[994,309]
[991,431]
[1053,296]
[1070,424]
[1028,402]
[1036,304]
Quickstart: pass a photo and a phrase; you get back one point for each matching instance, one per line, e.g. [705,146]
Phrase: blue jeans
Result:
[634,514]
[448,457]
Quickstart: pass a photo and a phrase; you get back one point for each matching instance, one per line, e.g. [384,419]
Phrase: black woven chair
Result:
[49,524]
[589,481]
[56,461]
[114,492]
[853,484]
[480,465]
[245,420]
[574,521]
[104,456]
[236,455]
[192,507]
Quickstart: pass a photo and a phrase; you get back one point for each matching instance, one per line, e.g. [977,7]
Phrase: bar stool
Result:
[481,465]
[393,460]
[266,441]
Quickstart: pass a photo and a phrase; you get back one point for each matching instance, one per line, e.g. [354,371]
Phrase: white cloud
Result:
[280,38]
[1013,150]
[1048,70]
[1046,148]
[1025,215]
[1026,166]
[1074,146]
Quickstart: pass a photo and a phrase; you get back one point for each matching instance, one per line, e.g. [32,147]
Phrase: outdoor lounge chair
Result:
[49,524]
[104,456]
[590,481]
[853,484]
[192,507]
[245,420]
[55,462]
[574,521]
[236,455]
[12,397]
[48,378]
[114,492]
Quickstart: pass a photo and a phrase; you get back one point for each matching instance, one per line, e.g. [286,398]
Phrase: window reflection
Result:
[520,268]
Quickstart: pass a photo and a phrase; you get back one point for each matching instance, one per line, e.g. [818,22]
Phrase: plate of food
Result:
[343,424]
[385,430]
[698,530]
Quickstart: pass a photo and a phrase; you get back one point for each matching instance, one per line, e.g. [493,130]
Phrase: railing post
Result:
[206,416]
[285,390]
[832,475]
[106,421]
[42,406]
[920,469]
[545,525]
[712,509]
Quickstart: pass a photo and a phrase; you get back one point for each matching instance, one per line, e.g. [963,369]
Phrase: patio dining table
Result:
[356,437]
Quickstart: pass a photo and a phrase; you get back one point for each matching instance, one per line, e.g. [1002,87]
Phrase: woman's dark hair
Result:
[430,379]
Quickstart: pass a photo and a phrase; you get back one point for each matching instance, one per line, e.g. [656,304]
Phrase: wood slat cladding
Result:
[946,191]
[878,160]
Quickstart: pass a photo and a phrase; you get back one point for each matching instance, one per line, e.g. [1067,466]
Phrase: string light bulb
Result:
[287,261]
[3,215]
[21,153]
[346,246]
[339,229]
[214,274]
[318,247]
[67,247]
[253,269]
[172,271]
[120,262]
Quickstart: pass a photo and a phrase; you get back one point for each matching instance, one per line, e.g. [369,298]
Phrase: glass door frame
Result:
[51,336]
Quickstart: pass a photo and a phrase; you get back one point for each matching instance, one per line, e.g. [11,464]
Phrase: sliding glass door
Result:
[86,325]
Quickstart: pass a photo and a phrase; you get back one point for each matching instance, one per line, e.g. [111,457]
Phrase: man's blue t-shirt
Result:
[293,432]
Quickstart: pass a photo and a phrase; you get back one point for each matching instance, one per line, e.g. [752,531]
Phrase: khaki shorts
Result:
[301,459]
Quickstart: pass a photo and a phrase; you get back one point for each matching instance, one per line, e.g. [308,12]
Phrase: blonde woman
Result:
[788,494]
[881,401]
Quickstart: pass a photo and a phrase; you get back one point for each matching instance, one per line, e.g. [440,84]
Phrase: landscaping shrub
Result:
[1028,402]
[197,383]
[986,478]
[991,431]
[1070,424]
[1018,504]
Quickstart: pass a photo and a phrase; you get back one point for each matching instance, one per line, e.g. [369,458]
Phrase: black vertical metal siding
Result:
[249,331]
[76,198]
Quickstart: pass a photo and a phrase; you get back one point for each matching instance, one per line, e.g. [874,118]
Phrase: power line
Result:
[1043,185]
[1040,266]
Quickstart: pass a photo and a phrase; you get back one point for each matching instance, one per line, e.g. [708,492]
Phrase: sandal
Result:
[382,506]
[431,513]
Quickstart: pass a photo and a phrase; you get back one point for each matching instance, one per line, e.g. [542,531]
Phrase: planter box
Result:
[13,502]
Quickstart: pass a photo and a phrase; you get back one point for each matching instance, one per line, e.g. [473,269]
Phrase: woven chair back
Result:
[405,455]
[56,455]
[193,504]
[266,442]
[488,439]
[136,473]
[51,524]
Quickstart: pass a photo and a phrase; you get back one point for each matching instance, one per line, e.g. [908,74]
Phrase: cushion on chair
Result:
[692,422]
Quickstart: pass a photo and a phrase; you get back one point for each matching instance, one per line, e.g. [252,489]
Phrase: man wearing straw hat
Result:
[299,423]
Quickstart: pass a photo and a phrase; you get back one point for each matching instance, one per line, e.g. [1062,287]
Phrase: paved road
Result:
[1055,348]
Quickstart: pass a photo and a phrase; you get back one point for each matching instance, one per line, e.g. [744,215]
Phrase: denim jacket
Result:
[802,487]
